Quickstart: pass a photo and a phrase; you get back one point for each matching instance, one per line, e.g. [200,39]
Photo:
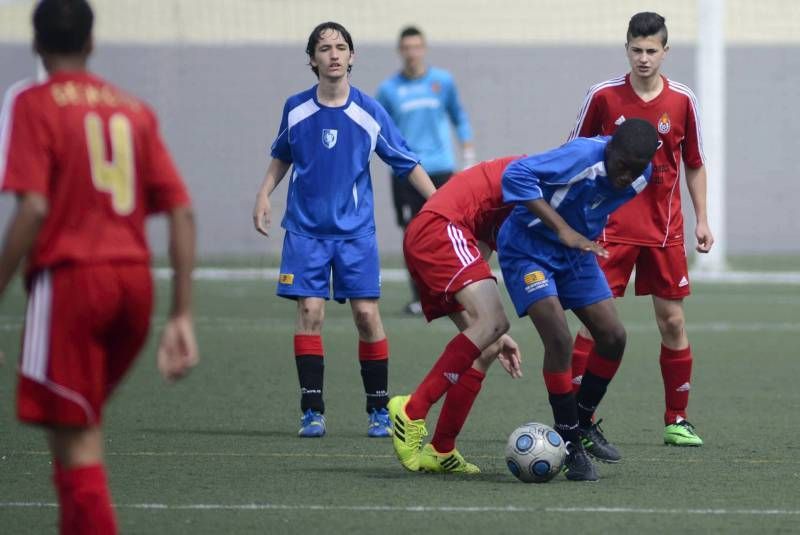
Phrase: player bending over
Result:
[446,249]
[563,198]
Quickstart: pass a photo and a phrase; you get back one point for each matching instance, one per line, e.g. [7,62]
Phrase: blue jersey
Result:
[330,189]
[423,109]
[573,180]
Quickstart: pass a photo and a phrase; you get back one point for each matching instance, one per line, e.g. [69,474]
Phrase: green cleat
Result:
[432,461]
[681,433]
[408,433]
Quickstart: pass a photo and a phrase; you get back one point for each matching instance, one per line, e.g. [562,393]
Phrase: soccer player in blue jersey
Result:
[327,135]
[563,198]
[424,102]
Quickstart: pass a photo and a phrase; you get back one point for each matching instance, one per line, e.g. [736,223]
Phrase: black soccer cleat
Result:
[596,444]
[578,466]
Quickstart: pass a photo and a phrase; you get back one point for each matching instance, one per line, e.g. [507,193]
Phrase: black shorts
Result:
[407,200]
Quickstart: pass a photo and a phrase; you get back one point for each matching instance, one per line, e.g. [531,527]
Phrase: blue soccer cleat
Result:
[379,424]
[312,424]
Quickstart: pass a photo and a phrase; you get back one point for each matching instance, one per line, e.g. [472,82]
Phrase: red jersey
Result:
[654,217]
[97,156]
[473,199]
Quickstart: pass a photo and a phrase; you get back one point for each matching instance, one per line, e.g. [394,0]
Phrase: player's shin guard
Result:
[598,374]
[676,370]
[580,355]
[457,358]
[562,401]
[84,500]
[456,407]
[308,354]
[374,360]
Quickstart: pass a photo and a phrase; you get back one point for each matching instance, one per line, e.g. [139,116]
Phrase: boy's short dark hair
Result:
[316,35]
[62,26]
[646,24]
[635,142]
[410,31]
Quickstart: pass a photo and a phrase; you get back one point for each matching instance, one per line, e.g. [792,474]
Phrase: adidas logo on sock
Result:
[452,377]
[685,387]
[577,379]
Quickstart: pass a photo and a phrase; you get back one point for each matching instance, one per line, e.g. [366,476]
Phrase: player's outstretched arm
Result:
[696,180]
[421,181]
[21,234]
[262,211]
[177,351]
[566,234]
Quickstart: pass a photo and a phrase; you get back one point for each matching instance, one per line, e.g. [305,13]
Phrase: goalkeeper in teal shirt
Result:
[423,102]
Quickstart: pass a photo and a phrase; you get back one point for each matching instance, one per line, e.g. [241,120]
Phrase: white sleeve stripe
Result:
[398,151]
[301,112]
[619,80]
[6,116]
[684,90]
[363,119]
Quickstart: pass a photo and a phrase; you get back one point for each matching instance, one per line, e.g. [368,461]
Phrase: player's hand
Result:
[576,240]
[509,356]
[705,240]
[177,351]
[262,214]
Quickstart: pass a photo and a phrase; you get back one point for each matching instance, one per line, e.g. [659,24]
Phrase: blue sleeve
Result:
[457,113]
[383,97]
[392,147]
[281,149]
[520,182]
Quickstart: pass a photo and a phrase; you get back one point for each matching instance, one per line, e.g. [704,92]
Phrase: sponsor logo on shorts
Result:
[534,281]
[684,282]
[620,120]
[286,278]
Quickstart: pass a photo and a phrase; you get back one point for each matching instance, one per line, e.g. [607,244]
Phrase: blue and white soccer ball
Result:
[535,453]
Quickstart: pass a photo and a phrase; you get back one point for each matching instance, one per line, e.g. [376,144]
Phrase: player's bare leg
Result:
[550,321]
[676,371]
[309,352]
[373,356]
[80,479]
[602,321]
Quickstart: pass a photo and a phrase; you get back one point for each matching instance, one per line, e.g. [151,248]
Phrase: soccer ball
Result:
[535,453]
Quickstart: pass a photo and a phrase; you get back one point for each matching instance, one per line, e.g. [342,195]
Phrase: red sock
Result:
[557,382]
[580,355]
[676,370]
[455,410]
[85,501]
[602,367]
[457,358]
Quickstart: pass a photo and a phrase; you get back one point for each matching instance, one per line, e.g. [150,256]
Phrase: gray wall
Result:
[220,108]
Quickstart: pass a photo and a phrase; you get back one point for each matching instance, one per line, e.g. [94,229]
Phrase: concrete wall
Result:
[220,108]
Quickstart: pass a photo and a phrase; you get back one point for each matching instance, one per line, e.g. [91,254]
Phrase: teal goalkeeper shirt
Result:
[423,109]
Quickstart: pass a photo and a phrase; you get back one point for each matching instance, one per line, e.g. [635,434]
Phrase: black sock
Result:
[375,376]
[565,415]
[310,370]
[592,390]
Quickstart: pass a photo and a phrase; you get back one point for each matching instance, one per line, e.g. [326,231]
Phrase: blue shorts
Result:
[535,268]
[307,265]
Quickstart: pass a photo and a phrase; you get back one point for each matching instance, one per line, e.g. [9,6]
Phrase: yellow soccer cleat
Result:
[408,433]
[431,460]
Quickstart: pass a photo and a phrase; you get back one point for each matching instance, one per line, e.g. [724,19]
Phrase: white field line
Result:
[364,456]
[425,509]
[400,275]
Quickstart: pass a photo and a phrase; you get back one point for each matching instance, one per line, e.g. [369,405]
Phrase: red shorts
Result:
[442,258]
[660,271]
[84,326]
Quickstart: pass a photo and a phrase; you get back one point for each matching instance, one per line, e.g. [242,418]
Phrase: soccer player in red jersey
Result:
[446,249]
[647,233]
[87,165]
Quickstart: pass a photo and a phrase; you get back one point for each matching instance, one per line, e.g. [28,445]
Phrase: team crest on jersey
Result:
[436,87]
[664,124]
[329,137]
